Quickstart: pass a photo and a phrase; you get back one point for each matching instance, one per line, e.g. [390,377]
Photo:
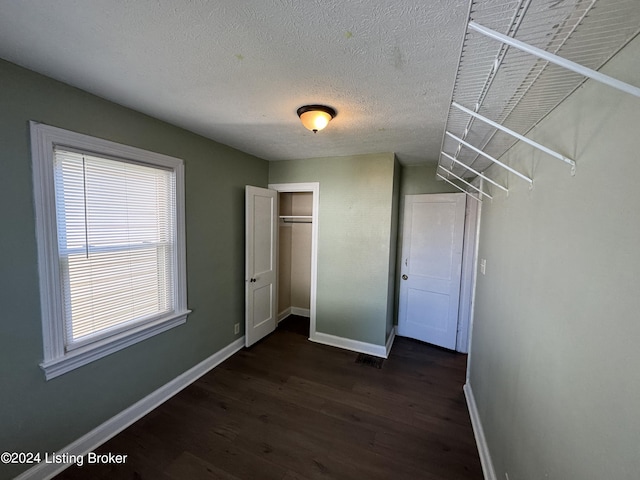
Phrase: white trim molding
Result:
[349,344]
[82,356]
[284,314]
[59,358]
[127,417]
[301,312]
[478,432]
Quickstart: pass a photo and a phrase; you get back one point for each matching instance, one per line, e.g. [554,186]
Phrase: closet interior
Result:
[294,254]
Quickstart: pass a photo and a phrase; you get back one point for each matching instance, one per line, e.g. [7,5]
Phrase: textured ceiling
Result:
[236,70]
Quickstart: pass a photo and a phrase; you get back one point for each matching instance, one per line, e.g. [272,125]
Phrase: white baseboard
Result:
[349,344]
[478,432]
[122,420]
[303,312]
[284,314]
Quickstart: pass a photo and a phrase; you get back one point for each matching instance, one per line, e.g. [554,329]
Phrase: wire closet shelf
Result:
[519,60]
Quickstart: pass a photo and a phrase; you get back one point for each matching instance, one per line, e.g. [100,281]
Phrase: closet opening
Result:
[297,255]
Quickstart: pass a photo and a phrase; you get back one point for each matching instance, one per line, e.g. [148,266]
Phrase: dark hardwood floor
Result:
[290,409]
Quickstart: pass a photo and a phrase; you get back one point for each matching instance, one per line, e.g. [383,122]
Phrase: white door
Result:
[431,267]
[260,271]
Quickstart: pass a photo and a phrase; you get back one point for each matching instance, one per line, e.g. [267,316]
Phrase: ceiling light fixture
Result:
[316,117]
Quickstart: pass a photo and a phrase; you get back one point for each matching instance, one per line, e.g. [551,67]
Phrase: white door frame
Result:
[413,321]
[470,320]
[468,276]
[469,272]
[314,188]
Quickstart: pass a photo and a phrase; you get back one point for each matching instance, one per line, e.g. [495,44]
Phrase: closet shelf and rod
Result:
[296,218]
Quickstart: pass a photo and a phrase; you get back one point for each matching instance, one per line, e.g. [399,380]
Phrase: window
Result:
[110,231]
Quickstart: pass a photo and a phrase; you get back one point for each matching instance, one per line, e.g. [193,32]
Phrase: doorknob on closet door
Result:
[252,280]
[404,277]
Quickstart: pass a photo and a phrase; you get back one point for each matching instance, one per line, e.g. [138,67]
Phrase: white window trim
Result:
[44,139]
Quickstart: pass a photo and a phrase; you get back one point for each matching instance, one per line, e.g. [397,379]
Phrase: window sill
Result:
[82,356]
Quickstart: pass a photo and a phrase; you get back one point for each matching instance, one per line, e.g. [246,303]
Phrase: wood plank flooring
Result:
[289,409]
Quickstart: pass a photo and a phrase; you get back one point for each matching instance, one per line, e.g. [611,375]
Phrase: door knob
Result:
[252,280]
[404,277]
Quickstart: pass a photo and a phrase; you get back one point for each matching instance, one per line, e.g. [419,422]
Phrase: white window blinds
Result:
[116,224]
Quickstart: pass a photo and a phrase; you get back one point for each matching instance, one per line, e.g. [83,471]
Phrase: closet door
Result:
[261,263]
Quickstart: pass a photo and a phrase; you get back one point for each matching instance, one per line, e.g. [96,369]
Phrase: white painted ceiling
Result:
[236,70]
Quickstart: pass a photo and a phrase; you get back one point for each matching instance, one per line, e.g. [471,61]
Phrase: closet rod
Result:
[465,182]
[550,57]
[296,220]
[489,157]
[475,171]
[547,150]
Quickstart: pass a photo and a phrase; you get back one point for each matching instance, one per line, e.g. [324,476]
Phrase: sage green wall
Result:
[44,416]
[419,179]
[354,240]
[554,352]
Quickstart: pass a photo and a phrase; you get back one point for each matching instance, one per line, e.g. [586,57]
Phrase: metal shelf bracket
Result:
[464,165]
[459,188]
[449,172]
[489,157]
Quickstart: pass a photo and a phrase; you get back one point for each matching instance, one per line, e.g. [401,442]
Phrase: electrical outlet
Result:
[236,328]
[483,266]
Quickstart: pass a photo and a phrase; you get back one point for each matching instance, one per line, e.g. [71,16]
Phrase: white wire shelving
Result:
[519,60]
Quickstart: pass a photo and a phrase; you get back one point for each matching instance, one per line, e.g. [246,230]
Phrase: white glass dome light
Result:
[316,117]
